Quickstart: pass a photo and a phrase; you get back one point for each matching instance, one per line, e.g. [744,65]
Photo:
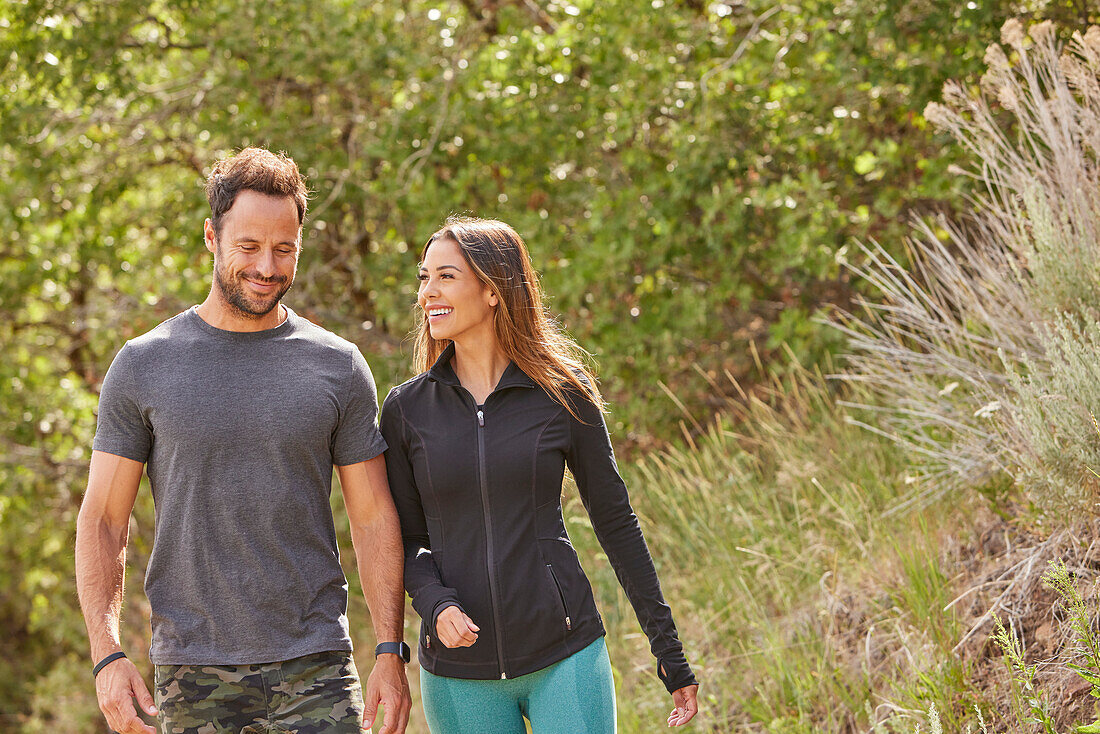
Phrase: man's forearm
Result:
[100,572]
[380,559]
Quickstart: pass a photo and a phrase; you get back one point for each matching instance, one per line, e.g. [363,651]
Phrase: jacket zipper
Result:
[489,538]
[561,594]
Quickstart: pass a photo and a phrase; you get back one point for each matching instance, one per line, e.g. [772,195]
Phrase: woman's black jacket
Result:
[478,491]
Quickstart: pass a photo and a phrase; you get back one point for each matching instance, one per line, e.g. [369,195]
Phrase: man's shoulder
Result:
[324,342]
[170,330]
[309,330]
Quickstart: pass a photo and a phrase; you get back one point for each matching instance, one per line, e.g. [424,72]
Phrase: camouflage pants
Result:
[315,694]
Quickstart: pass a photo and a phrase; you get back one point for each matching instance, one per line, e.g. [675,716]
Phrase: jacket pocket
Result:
[561,595]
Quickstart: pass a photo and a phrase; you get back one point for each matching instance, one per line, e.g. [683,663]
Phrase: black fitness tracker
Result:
[107,661]
[397,648]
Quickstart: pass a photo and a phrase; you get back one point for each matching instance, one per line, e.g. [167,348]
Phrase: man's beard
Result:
[233,291]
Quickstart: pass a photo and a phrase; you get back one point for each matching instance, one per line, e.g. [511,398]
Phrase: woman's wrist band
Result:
[106,661]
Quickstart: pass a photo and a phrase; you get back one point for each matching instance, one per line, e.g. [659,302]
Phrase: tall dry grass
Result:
[980,354]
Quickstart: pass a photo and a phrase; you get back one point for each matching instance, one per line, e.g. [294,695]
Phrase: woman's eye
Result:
[421,276]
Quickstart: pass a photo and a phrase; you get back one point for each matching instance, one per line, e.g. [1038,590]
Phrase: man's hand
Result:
[116,687]
[686,705]
[387,685]
[454,629]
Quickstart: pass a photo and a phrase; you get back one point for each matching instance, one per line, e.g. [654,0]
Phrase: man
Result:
[239,409]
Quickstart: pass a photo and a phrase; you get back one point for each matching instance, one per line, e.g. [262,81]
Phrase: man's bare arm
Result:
[376,536]
[101,536]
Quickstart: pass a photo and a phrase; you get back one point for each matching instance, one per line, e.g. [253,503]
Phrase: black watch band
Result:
[107,661]
[396,648]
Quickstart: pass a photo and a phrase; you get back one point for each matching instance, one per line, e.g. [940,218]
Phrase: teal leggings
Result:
[572,696]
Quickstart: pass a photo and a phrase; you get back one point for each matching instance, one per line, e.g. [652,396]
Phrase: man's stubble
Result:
[233,292]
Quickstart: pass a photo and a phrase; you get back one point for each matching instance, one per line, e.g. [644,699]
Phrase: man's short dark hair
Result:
[254,169]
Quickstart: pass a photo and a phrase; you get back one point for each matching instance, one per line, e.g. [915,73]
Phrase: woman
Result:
[478,444]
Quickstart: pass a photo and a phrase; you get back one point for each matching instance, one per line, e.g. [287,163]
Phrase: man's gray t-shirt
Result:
[239,432]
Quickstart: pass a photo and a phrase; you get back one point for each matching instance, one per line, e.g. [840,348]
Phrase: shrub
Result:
[980,355]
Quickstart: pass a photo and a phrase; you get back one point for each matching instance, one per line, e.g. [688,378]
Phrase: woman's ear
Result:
[493,301]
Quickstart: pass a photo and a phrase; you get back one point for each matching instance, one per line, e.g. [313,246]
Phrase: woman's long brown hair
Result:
[524,329]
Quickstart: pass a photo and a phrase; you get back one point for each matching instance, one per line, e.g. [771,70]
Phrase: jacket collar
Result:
[442,372]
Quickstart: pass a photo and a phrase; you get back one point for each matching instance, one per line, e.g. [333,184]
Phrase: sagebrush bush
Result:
[983,347]
[1054,408]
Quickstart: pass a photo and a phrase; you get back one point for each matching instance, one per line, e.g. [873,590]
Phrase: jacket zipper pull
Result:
[568,623]
[481,418]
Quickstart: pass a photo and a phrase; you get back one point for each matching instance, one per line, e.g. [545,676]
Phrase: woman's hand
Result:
[454,629]
[686,705]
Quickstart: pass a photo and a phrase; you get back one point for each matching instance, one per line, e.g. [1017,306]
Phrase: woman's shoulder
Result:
[582,396]
[407,390]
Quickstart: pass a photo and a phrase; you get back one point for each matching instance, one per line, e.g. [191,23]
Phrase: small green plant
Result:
[981,721]
[1085,648]
[1029,702]
[934,720]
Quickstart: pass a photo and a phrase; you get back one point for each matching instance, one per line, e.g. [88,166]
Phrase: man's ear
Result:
[209,236]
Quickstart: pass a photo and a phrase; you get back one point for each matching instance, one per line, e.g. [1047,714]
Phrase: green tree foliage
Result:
[688,175]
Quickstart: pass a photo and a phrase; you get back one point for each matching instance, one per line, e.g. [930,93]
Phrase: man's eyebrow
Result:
[250,240]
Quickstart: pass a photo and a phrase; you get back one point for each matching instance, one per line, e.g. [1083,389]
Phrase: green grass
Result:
[777,548]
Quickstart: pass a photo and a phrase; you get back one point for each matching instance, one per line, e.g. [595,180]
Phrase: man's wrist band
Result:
[106,661]
[394,648]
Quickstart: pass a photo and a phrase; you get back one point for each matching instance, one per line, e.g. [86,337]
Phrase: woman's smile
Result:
[437,313]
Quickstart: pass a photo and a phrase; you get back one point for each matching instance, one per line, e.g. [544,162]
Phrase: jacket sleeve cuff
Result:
[430,599]
[674,672]
[439,608]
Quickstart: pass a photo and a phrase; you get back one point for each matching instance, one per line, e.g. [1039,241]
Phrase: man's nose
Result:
[265,264]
